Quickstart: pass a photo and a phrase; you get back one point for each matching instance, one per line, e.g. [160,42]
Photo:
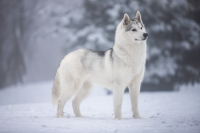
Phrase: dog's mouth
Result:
[140,40]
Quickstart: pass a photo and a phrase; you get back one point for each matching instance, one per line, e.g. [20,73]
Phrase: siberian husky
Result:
[117,68]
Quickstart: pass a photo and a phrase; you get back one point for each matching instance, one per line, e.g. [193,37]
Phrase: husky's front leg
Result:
[118,98]
[134,91]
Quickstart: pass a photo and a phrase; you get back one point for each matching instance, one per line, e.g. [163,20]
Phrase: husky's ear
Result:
[126,19]
[138,17]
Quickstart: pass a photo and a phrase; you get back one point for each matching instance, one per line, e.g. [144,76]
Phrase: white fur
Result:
[126,69]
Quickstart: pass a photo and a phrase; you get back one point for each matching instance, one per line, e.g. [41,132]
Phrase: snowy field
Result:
[28,108]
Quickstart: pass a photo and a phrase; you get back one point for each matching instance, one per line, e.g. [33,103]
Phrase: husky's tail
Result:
[56,90]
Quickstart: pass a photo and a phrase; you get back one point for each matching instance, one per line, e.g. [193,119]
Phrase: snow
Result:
[28,108]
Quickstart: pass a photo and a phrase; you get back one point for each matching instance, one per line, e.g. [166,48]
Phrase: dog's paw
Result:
[137,116]
[118,118]
[79,115]
[60,116]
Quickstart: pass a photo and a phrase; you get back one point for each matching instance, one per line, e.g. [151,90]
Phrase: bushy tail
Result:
[56,90]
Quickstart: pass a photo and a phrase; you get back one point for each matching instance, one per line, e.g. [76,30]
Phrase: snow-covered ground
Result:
[28,108]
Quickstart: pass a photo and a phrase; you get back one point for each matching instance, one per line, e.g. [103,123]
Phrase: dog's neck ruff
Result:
[129,52]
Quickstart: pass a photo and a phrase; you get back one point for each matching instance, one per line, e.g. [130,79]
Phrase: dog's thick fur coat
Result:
[119,67]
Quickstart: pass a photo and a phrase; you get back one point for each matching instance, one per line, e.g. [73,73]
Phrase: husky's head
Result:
[132,29]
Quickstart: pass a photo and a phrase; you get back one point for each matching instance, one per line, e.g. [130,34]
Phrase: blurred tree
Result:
[14,24]
[174,36]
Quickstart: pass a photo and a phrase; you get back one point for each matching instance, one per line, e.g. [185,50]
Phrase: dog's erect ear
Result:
[126,19]
[138,17]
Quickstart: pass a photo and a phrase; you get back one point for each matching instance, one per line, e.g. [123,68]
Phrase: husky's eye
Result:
[134,30]
[141,28]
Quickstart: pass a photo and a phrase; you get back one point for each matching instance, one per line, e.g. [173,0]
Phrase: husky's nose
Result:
[145,35]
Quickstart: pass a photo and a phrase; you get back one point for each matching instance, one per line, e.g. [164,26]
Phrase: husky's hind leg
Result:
[67,93]
[84,91]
